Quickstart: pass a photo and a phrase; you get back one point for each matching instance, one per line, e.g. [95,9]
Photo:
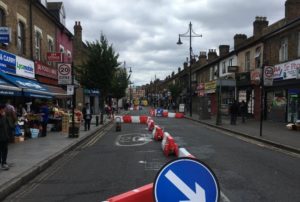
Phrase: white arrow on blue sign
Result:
[186,180]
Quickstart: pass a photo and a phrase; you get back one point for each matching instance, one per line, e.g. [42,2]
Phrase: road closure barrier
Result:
[158,133]
[143,194]
[184,153]
[151,125]
[165,113]
[133,119]
[168,145]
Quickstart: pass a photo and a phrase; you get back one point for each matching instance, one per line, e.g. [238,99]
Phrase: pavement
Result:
[273,133]
[29,158]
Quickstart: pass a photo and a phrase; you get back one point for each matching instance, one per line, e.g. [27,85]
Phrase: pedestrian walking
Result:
[234,109]
[4,138]
[44,110]
[11,115]
[87,116]
[243,109]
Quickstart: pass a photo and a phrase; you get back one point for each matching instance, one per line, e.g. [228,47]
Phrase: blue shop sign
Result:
[7,62]
[5,33]
[91,92]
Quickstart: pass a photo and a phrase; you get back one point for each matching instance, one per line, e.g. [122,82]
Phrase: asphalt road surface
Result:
[114,162]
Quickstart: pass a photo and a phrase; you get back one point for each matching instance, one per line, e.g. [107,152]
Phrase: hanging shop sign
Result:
[64,74]
[70,89]
[255,76]
[24,67]
[210,87]
[288,70]
[5,34]
[233,69]
[243,79]
[55,57]
[7,62]
[44,70]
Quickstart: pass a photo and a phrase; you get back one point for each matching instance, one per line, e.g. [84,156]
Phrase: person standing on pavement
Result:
[4,137]
[44,110]
[11,115]
[234,109]
[243,108]
[87,116]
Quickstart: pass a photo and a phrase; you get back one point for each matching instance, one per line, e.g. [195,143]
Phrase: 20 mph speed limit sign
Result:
[64,72]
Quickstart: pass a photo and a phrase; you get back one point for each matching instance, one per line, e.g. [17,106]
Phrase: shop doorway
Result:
[293,105]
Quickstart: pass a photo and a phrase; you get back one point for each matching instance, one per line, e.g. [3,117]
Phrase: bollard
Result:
[118,124]
[97,120]
[101,118]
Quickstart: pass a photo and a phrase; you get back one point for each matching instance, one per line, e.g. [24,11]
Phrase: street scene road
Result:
[113,162]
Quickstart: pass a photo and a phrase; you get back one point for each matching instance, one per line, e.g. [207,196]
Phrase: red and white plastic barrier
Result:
[167,114]
[143,193]
[184,153]
[133,119]
[151,125]
[158,133]
[168,145]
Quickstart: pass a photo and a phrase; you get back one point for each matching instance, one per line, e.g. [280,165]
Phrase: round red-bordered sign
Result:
[64,69]
[268,72]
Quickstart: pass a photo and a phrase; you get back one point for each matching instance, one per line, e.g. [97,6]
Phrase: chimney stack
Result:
[179,69]
[78,31]
[259,25]
[223,50]
[239,39]
[292,10]
[185,65]
[202,58]
[212,55]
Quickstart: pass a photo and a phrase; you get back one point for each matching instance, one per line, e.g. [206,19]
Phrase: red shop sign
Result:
[45,70]
[54,57]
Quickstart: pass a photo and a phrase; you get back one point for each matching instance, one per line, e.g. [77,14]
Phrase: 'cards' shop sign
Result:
[288,70]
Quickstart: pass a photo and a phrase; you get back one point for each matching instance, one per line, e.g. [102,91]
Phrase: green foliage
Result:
[119,83]
[175,90]
[100,67]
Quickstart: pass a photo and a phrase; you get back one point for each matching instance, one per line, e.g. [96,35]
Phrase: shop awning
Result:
[30,88]
[57,91]
[9,89]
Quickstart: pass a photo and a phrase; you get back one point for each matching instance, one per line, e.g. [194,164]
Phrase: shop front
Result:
[210,93]
[283,98]
[92,96]
[47,76]
[245,91]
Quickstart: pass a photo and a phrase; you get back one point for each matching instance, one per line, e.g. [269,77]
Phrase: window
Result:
[223,67]
[230,62]
[21,38]
[211,74]
[50,47]
[283,50]
[247,61]
[2,18]
[258,57]
[38,40]
[298,44]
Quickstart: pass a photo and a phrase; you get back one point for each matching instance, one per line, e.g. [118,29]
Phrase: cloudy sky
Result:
[145,32]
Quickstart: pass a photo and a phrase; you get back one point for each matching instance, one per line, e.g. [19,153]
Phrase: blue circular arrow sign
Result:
[186,179]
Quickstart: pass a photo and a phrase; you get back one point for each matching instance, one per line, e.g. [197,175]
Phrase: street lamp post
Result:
[130,71]
[190,33]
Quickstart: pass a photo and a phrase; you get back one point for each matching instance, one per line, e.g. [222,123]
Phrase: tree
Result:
[175,90]
[100,67]
[119,84]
